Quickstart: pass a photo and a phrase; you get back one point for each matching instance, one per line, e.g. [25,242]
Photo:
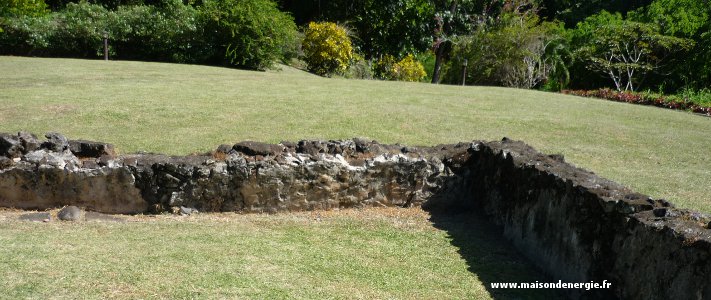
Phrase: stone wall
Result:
[576,226]
[245,177]
[579,227]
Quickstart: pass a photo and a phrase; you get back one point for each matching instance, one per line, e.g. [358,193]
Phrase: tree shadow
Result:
[489,255]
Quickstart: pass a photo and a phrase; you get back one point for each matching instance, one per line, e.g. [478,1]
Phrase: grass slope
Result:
[179,109]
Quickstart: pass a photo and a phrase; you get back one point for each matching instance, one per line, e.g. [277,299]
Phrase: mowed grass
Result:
[388,253]
[354,254]
[180,109]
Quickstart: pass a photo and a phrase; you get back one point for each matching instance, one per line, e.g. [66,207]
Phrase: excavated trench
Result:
[572,224]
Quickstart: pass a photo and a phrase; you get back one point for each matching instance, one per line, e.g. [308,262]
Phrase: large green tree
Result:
[625,51]
[689,19]
[518,50]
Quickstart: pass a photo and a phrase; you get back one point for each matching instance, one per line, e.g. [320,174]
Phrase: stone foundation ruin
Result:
[574,225]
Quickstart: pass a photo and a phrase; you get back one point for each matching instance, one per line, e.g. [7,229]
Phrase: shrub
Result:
[254,33]
[76,31]
[383,68]
[79,30]
[408,69]
[17,8]
[427,59]
[248,33]
[327,48]
[168,32]
[26,35]
[689,100]
[359,68]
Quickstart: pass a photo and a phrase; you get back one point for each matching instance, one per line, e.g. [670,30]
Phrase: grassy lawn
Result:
[356,254]
[386,253]
[179,109]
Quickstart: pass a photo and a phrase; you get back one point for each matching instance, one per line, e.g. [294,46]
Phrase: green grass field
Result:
[352,254]
[180,109]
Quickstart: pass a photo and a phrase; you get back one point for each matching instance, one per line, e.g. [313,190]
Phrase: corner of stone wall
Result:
[579,227]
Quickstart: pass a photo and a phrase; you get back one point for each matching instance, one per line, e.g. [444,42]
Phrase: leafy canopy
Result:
[623,50]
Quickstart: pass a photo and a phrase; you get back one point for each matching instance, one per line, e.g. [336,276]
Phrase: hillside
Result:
[180,109]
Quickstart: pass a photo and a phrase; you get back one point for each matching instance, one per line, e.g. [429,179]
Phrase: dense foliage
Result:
[637,45]
[251,33]
[394,27]
[625,51]
[15,8]
[254,32]
[517,51]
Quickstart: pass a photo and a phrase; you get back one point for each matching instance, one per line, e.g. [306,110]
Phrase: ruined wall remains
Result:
[581,228]
[245,177]
[576,226]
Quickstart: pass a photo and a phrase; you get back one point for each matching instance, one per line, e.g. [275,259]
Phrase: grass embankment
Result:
[179,109]
[384,253]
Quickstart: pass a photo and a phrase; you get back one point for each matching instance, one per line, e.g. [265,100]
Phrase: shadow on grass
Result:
[490,256]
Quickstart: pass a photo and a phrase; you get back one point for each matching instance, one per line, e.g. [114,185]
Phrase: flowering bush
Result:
[407,69]
[327,48]
[672,102]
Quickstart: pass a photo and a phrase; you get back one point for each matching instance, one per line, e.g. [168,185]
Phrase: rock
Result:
[29,141]
[55,142]
[256,148]
[186,211]
[362,145]
[224,149]
[106,161]
[312,148]
[290,146]
[665,213]
[89,164]
[54,159]
[6,162]
[82,148]
[10,145]
[407,149]
[69,213]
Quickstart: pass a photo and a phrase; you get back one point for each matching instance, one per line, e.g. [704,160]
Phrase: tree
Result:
[394,27]
[454,18]
[516,51]
[682,18]
[626,51]
[690,19]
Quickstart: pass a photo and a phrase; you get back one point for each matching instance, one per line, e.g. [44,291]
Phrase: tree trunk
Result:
[440,51]
[439,56]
